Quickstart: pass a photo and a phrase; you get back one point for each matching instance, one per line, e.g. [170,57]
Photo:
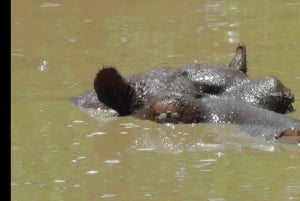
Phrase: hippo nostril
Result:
[290,108]
[292,97]
[289,95]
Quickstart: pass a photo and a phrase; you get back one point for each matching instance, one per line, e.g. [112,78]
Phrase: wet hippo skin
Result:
[268,92]
[181,108]
[197,93]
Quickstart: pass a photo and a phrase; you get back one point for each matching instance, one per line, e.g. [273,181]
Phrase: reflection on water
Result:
[59,152]
[174,139]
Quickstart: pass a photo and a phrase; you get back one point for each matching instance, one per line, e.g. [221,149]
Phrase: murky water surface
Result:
[59,152]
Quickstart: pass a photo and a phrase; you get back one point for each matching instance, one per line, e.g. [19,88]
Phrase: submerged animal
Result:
[197,93]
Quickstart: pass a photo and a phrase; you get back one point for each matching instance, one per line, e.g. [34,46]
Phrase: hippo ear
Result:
[239,61]
[113,90]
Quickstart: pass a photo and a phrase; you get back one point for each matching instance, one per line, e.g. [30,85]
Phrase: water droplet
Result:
[50,5]
[43,66]
[112,161]
[92,172]
[59,181]
[95,134]
[105,195]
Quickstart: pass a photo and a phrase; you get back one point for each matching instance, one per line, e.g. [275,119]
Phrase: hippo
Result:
[196,93]
[199,79]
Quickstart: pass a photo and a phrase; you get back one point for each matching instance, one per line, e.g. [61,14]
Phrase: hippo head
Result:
[280,97]
[113,90]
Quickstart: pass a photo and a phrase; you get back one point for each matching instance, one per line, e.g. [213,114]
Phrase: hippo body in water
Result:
[197,93]
[181,108]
